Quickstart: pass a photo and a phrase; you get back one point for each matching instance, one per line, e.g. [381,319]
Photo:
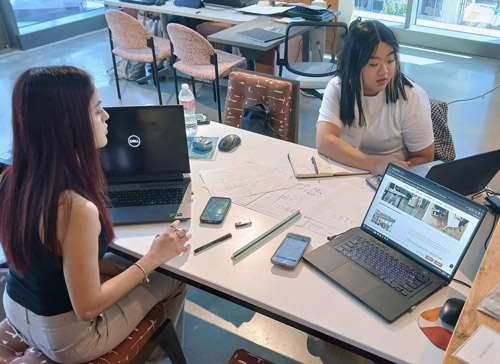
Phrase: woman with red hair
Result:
[55,229]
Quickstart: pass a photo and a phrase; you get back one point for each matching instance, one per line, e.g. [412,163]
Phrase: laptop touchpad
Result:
[354,279]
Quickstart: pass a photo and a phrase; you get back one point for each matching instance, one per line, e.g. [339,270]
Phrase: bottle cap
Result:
[185,85]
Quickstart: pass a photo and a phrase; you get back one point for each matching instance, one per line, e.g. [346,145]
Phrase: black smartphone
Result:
[374,181]
[216,210]
[291,250]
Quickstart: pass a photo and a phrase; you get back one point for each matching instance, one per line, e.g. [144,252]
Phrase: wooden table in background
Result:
[487,277]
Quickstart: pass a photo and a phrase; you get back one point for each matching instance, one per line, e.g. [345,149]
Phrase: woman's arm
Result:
[422,156]
[81,267]
[328,142]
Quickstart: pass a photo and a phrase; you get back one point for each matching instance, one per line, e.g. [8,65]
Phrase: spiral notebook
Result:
[313,165]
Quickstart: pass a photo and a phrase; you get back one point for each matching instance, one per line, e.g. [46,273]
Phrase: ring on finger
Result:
[157,235]
[179,235]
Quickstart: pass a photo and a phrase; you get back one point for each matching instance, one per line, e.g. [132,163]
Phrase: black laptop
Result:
[467,175]
[146,164]
[412,240]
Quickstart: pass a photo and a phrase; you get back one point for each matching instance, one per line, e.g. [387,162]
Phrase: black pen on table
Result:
[212,243]
[313,160]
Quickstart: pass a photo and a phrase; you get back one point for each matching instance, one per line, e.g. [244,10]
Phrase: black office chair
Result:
[310,54]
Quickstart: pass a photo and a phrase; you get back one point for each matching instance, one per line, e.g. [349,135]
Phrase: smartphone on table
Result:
[291,250]
[216,210]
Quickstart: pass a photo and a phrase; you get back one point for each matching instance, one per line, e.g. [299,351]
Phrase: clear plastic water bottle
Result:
[186,98]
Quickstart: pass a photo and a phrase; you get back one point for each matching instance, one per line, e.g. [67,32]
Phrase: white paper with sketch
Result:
[283,203]
[345,210]
[319,228]
[483,347]
[311,164]
[247,179]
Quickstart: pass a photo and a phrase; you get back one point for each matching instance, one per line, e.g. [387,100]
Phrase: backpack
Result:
[257,118]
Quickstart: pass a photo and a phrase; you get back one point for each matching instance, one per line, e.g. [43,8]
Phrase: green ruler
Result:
[262,239]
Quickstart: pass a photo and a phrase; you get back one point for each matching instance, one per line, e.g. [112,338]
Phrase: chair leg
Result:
[151,44]
[173,346]
[176,86]
[218,97]
[117,81]
[193,86]
[114,65]
[156,79]
[215,93]
[213,60]
[166,337]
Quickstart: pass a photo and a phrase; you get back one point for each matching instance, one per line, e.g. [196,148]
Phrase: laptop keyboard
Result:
[148,196]
[377,260]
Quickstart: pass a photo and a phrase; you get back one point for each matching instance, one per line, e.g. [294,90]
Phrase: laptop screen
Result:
[423,220]
[145,143]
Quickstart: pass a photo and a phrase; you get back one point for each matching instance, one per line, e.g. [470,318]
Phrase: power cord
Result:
[487,190]
[462,282]
[475,97]
[487,241]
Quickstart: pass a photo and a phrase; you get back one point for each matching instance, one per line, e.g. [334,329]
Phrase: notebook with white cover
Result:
[311,164]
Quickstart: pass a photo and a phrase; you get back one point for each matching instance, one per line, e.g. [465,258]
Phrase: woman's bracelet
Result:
[146,278]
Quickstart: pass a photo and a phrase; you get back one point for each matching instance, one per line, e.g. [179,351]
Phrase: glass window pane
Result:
[470,16]
[32,12]
[391,10]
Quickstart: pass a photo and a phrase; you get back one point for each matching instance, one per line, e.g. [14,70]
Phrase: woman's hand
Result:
[169,244]
[379,164]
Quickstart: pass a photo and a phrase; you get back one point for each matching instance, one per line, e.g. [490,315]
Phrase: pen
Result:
[212,243]
[314,164]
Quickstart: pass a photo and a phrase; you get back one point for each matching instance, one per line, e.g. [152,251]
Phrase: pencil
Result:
[212,243]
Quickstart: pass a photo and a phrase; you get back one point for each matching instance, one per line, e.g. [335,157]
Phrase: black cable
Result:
[486,242]
[462,282]
[486,190]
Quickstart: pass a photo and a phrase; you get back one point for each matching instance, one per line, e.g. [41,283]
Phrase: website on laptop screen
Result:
[423,220]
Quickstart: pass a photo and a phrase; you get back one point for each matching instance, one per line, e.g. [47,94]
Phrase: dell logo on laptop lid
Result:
[134,141]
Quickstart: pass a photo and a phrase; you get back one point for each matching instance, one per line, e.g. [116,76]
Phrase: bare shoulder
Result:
[76,214]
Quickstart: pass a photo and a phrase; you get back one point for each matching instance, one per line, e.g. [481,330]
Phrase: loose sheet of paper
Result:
[345,210]
[247,180]
[280,204]
[483,347]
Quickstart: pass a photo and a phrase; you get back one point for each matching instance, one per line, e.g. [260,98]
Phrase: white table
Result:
[301,298]
[212,12]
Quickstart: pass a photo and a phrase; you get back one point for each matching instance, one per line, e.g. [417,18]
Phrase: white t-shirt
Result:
[391,129]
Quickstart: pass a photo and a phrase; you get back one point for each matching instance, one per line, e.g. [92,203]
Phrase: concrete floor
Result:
[215,328]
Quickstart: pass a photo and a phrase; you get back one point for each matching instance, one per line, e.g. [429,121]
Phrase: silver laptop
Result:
[412,240]
[146,164]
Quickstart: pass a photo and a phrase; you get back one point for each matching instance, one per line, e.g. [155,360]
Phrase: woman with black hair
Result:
[55,229]
[372,114]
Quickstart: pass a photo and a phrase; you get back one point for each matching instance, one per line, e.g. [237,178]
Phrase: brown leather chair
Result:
[154,329]
[280,95]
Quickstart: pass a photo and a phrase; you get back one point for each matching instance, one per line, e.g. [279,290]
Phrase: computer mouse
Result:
[159,2]
[229,142]
[451,311]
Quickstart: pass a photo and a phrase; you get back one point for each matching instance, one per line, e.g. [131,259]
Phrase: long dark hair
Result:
[53,150]
[359,45]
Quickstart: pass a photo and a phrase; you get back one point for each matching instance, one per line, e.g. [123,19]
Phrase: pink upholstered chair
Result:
[280,95]
[153,330]
[194,56]
[135,43]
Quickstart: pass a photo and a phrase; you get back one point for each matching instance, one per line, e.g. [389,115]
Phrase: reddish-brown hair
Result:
[53,150]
